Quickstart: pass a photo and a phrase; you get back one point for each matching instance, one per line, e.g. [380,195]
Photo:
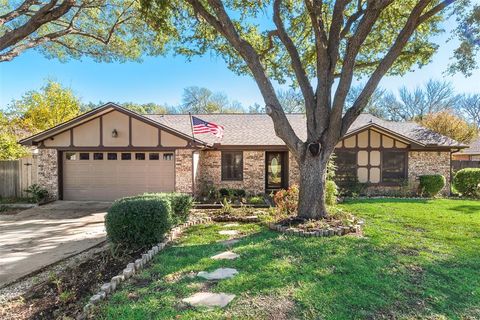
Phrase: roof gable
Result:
[96,113]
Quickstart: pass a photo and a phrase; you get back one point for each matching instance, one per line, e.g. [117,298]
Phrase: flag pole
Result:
[191,126]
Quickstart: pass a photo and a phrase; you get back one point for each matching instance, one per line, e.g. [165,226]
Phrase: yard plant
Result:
[467,182]
[430,185]
[418,259]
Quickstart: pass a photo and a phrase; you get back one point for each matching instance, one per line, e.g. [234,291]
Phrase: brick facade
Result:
[294,170]
[48,171]
[429,162]
[184,170]
[253,172]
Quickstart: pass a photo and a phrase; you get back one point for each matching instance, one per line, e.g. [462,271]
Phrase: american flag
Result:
[201,126]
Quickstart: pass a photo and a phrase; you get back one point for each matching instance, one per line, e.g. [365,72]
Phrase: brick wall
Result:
[429,162]
[209,172]
[294,170]
[48,171]
[184,170]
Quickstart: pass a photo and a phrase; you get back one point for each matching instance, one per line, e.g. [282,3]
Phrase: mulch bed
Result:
[326,227]
[63,295]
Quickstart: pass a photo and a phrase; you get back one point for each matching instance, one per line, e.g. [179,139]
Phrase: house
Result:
[111,152]
[472,153]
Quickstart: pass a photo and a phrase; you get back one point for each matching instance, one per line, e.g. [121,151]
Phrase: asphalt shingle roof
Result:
[473,147]
[257,129]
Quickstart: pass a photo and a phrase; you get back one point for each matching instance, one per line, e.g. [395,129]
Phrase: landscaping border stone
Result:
[329,232]
[134,267]
[228,218]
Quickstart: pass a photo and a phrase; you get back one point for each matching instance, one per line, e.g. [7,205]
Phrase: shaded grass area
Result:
[418,259]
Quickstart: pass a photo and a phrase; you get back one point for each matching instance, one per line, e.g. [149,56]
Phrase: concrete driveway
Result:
[38,237]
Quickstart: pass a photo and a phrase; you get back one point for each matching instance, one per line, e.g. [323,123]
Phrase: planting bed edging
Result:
[228,218]
[134,267]
[338,231]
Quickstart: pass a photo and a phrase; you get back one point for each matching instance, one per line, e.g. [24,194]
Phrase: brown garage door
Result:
[113,175]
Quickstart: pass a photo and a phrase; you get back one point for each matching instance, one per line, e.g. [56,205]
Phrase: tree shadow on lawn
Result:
[470,209]
[327,278]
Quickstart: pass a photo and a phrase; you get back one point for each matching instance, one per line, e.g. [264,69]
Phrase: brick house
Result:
[472,153]
[111,152]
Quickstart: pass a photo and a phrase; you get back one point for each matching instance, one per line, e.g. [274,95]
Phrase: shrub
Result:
[37,192]
[430,185]
[256,200]
[226,207]
[331,193]
[136,222]
[467,182]
[286,201]
[180,203]
[225,192]
[239,192]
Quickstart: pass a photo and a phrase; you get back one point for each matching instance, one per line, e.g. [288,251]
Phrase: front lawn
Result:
[419,259]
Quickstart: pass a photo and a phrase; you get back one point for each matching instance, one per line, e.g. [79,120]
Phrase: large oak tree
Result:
[102,29]
[317,45]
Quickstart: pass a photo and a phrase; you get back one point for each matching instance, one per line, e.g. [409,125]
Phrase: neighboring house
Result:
[472,153]
[111,152]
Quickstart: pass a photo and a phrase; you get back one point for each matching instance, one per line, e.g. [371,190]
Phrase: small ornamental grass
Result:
[430,185]
[467,182]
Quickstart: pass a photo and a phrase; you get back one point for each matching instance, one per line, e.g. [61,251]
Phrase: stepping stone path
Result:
[229,225]
[209,299]
[229,242]
[219,274]
[228,232]
[227,255]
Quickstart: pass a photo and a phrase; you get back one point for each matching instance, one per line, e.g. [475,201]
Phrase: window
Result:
[71,156]
[154,156]
[168,156]
[232,165]
[97,156]
[394,166]
[126,156]
[111,156]
[84,156]
[139,156]
[346,162]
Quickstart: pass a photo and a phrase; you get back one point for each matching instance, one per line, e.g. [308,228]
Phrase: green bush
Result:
[331,193]
[136,222]
[181,205]
[467,182]
[431,184]
[225,192]
[256,200]
[37,193]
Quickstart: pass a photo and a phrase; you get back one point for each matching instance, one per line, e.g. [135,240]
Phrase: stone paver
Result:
[35,238]
[228,232]
[219,274]
[230,225]
[229,242]
[227,255]
[209,299]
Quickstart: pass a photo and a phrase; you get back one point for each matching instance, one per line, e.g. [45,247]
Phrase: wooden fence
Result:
[16,176]
[462,164]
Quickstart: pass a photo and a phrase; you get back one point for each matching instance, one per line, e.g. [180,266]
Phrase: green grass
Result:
[418,259]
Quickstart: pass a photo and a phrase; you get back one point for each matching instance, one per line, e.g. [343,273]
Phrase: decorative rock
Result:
[102,294]
[87,308]
[227,255]
[251,218]
[106,287]
[208,299]
[228,232]
[219,274]
[138,264]
[128,272]
[95,299]
[131,265]
[155,249]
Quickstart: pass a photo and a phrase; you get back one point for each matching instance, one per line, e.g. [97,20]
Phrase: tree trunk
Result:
[313,173]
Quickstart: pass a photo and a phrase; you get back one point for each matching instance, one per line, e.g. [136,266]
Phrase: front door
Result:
[276,171]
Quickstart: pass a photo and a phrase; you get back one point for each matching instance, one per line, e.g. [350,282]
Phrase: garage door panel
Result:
[113,179]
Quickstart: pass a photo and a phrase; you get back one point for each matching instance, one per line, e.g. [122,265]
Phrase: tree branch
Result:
[224,25]
[22,9]
[413,21]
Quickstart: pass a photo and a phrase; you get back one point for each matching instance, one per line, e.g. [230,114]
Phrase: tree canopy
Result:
[202,100]
[104,30]
[447,123]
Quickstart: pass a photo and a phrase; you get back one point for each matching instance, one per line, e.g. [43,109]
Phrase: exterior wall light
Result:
[114,133]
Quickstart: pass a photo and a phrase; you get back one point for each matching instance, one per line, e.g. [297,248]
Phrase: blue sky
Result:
[162,79]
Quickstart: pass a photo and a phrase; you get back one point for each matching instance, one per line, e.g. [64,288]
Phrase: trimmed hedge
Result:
[467,182]
[226,192]
[139,221]
[180,203]
[430,185]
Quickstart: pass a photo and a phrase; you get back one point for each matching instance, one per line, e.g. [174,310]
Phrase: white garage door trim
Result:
[97,175]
